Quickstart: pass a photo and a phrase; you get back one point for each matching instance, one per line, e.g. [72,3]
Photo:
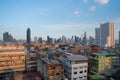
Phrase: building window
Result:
[57,73]
[81,71]
[75,68]
[61,72]
[51,67]
[85,71]
[85,66]
[81,67]
[80,77]
[74,78]
[75,72]
[85,76]
[72,62]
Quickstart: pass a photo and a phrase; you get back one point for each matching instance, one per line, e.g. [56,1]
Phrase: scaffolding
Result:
[12,60]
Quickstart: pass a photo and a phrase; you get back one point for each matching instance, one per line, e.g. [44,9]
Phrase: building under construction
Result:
[50,69]
[12,60]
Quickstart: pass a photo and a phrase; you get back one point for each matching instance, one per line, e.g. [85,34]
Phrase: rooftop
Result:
[50,61]
[103,54]
[95,77]
[77,58]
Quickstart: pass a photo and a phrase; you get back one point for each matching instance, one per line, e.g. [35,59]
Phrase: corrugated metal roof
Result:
[77,58]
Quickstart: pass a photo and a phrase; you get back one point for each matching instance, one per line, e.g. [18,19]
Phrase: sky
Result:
[57,17]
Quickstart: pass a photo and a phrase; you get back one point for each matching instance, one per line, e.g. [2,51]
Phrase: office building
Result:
[7,37]
[63,39]
[119,37]
[35,40]
[28,35]
[91,41]
[50,69]
[97,36]
[75,67]
[85,39]
[40,40]
[48,39]
[107,34]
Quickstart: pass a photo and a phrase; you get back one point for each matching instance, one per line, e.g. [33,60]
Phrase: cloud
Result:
[85,1]
[102,1]
[92,8]
[77,12]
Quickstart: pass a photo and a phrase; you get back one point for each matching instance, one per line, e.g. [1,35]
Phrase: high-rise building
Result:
[7,37]
[35,40]
[40,40]
[85,39]
[97,36]
[119,37]
[63,39]
[107,34]
[28,35]
[48,39]
[91,41]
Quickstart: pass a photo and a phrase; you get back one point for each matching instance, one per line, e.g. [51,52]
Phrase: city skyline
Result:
[57,18]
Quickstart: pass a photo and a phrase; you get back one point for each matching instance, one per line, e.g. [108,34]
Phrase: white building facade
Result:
[75,67]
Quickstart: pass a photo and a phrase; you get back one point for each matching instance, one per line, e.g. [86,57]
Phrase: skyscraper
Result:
[97,36]
[119,37]
[64,39]
[85,39]
[40,40]
[7,37]
[48,39]
[28,35]
[107,34]
[35,40]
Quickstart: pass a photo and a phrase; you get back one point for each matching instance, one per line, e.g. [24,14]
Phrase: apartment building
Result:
[75,67]
[115,62]
[12,59]
[101,62]
[107,34]
[31,60]
[50,69]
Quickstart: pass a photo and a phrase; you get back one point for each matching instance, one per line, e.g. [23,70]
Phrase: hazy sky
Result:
[57,17]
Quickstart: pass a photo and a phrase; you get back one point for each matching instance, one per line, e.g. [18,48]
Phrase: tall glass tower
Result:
[119,37]
[28,35]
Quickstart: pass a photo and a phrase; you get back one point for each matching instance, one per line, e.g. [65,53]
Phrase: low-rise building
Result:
[75,67]
[115,62]
[101,62]
[50,69]
[31,60]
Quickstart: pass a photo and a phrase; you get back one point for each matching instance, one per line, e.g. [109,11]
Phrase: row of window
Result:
[85,71]
[84,77]
[81,67]
[77,62]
